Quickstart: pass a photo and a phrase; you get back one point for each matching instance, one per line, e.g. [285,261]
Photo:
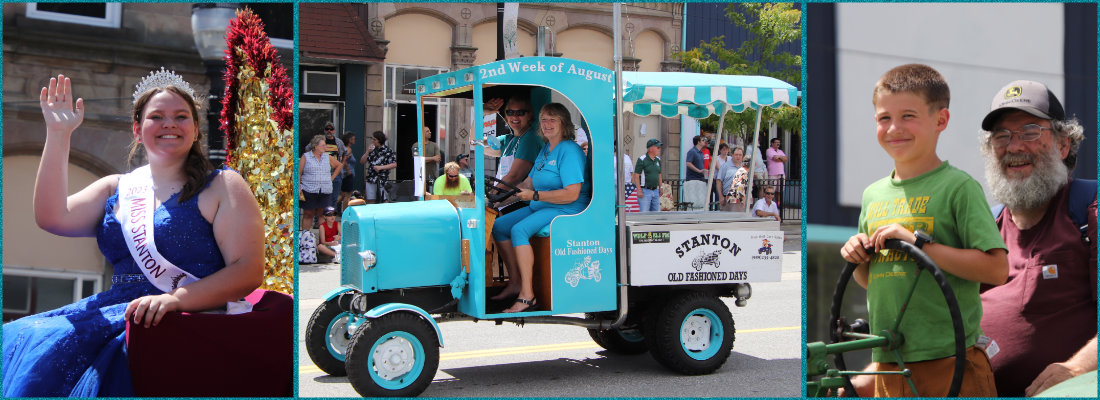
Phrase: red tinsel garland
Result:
[246,32]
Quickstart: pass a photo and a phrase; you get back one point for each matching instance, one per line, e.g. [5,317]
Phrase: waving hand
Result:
[58,106]
[54,210]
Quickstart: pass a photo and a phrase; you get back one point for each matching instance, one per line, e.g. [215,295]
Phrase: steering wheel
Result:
[923,262]
[495,194]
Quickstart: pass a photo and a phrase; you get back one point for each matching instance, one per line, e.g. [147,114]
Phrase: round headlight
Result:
[369,259]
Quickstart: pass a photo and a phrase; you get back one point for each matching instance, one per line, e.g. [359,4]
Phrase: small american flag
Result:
[632,198]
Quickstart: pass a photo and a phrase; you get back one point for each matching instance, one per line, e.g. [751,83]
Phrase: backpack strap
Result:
[1082,192]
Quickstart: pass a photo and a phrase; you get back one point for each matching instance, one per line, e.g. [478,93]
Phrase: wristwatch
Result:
[922,239]
[536,196]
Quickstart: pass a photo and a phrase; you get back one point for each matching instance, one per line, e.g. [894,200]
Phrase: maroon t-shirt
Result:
[1047,309]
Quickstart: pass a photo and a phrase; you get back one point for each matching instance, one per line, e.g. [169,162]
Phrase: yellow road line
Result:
[309,369]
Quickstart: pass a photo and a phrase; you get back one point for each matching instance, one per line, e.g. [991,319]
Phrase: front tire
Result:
[395,355]
[692,334]
[327,338]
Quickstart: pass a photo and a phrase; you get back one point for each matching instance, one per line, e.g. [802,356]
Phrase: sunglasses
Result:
[452,176]
[330,128]
[516,113]
[770,193]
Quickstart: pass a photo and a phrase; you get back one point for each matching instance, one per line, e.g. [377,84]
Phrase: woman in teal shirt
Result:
[560,188]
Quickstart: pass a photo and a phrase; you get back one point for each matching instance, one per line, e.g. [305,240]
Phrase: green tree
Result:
[770,25]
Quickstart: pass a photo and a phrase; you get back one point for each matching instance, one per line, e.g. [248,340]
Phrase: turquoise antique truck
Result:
[642,281]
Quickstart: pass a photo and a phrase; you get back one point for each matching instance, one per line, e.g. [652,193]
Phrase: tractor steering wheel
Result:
[495,194]
[923,262]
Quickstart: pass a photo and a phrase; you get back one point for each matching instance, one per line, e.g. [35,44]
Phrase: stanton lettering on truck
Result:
[705,240]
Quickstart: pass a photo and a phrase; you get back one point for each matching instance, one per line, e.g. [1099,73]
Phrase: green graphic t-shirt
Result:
[949,205]
[650,169]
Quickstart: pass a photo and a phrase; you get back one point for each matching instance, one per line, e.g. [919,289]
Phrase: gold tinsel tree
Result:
[258,121]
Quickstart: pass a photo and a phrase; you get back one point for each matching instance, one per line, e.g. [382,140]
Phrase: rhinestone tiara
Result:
[160,79]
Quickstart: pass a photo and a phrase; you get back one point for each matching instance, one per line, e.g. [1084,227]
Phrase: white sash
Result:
[136,205]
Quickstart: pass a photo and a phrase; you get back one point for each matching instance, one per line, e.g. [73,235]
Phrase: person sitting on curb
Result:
[330,233]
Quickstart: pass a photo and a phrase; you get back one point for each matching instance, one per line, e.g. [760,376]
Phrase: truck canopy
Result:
[671,94]
[701,95]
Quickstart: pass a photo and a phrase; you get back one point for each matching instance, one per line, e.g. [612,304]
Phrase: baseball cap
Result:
[1028,96]
[461,156]
[330,211]
[652,142]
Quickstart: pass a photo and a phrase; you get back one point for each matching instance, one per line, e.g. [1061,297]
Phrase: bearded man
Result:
[451,183]
[1042,322]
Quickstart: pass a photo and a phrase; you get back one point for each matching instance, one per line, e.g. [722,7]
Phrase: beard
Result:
[1048,174]
[450,183]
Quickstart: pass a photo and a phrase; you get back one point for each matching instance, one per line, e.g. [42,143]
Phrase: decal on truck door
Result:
[583,269]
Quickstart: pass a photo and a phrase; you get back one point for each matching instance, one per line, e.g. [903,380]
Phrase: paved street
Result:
[485,360]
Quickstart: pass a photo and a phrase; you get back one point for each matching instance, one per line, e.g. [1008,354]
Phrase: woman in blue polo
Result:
[558,177]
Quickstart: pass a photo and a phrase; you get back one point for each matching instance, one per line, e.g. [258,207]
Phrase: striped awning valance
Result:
[699,95]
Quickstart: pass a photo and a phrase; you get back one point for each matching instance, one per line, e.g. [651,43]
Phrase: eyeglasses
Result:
[1027,133]
[516,113]
[770,193]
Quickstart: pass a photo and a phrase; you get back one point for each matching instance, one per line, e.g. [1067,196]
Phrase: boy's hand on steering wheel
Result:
[892,231]
[855,250]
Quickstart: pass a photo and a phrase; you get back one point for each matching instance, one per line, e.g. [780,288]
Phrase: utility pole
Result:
[500,31]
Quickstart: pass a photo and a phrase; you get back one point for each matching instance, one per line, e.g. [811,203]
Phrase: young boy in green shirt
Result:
[926,194]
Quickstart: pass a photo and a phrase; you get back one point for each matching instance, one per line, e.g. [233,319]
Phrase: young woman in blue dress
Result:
[181,235]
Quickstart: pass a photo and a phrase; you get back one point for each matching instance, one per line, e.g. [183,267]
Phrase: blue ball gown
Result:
[79,349]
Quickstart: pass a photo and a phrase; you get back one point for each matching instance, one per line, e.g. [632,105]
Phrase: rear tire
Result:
[691,334]
[395,355]
[327,338]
